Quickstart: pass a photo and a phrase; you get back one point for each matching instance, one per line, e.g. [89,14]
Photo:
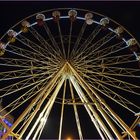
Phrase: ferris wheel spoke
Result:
[19,63]
[85,46]
[124,62]
[29,43]
[51,37]
[118,64]
[15,52]
[9,75]
[111,94]
[25,64]
[106,90]
[19,101]
[112,53]
[44,43]
[24,53]
[115,96]
[105,52]
[20,75]
[104,40]
[79,38]
[69,43]
[122,72]
[108,50]
[125,72]
[23,84]
[89,54]
[35,47]
[102,53]
[119,84]
[96,46]
[61,39]
[25,97]
[114,60]
[13,88]
[29,54]
[111,61]
[26,120]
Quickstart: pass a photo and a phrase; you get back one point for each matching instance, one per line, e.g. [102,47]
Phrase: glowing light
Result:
[69,138]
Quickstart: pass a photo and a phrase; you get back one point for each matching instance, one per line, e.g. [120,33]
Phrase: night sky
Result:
[125,13]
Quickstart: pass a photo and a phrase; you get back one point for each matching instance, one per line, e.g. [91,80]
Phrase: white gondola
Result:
[119,30]
[89,21]
[104,21]
[72,13]
[56,14]
[11,33]
[25,23]
[40,16]
[131,42]
[88,18]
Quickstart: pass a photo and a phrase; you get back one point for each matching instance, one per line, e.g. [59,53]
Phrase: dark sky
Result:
[125,13]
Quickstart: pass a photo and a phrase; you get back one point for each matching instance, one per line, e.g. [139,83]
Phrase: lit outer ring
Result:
[80,18]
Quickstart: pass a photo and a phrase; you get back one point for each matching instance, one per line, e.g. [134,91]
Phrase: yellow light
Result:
[69,138]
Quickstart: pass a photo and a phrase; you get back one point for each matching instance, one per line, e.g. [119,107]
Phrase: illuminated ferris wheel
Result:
[70,58]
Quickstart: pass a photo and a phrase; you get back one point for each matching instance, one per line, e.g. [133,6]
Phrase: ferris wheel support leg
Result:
[48,87]
[128,130]
[87,87]
[43,117]
[76,114]
[99,109]
[62,112]
[122,123]
[118,135]
[91,111]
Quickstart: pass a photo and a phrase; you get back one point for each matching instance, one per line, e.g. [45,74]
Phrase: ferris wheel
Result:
[70,58]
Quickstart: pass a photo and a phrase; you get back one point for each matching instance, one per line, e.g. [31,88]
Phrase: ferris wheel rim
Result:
[54,9]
